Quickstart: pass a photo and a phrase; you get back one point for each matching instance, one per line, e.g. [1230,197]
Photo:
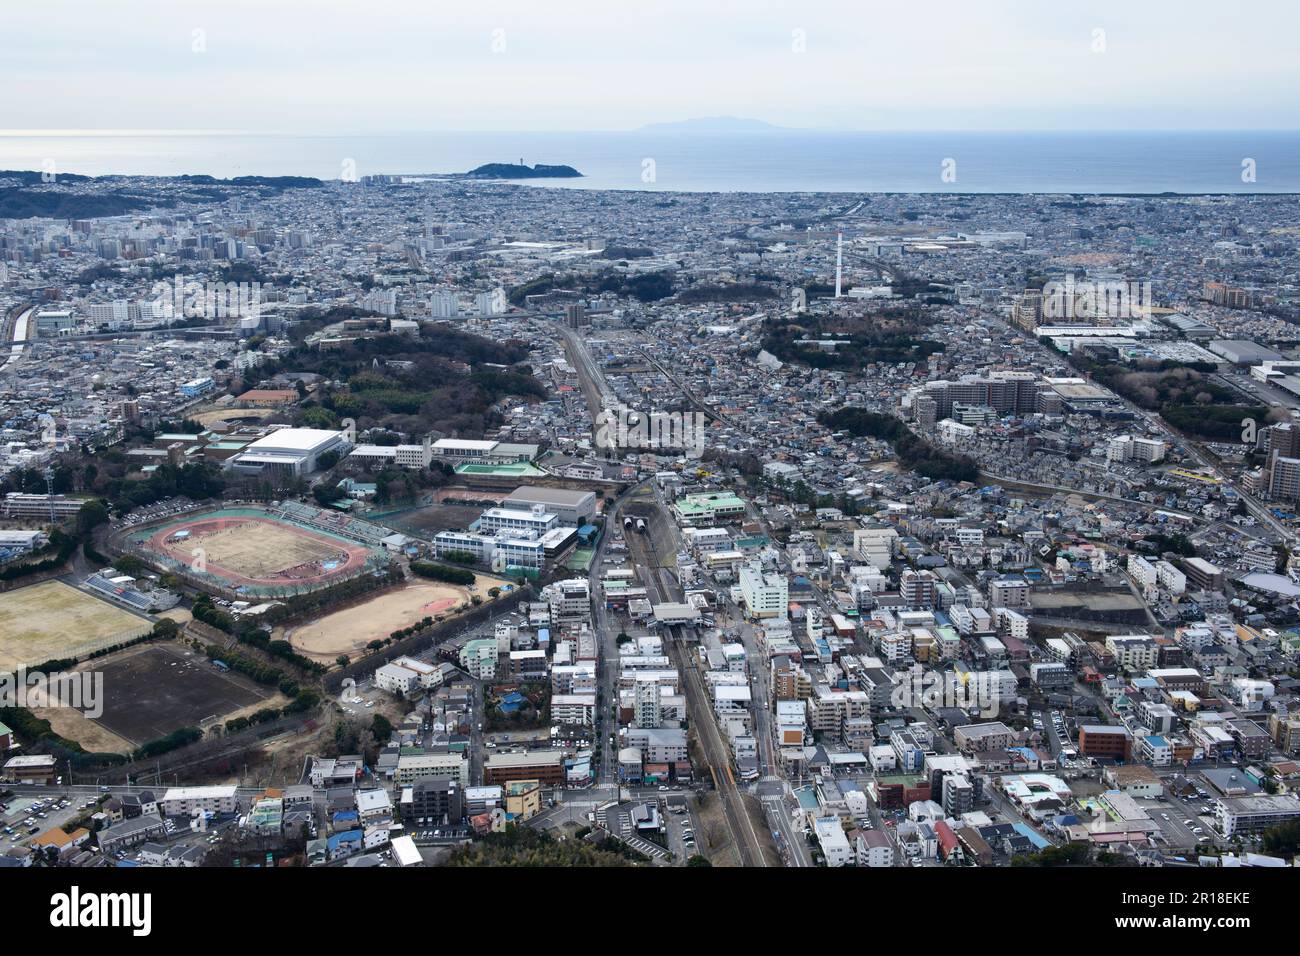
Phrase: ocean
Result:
[767,161]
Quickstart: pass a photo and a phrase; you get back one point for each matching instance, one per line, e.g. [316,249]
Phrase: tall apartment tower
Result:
[649,710]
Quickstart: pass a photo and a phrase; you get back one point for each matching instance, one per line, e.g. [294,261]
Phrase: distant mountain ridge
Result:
[59,198]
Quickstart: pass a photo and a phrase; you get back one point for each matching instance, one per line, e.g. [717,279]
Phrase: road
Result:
[1256,508]
[607,634]
[1019,484]
[661,587]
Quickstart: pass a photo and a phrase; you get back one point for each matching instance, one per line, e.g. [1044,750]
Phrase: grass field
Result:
[54,620]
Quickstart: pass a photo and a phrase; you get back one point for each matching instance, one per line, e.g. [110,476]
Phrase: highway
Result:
[1019,484]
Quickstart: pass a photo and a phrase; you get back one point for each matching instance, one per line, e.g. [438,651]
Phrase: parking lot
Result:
[23,816]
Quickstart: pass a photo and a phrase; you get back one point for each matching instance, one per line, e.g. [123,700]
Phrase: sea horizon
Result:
[1115,162]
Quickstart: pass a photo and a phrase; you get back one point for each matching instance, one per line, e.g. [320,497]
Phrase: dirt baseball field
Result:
[349,630]
[151,690]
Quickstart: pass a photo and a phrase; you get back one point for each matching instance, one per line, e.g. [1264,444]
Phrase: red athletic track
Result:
[356,554]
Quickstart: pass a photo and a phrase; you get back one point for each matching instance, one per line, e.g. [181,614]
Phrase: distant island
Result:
[518,171]
[711,124]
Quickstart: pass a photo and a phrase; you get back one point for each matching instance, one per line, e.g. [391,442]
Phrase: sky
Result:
[335,67]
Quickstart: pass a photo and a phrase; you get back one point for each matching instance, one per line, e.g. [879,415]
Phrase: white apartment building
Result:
[180,801]
[406,674]
[411,767]
[766,594]
[1142,571]
[1170,578]
[875,546]
[1129,448]
[577,709]
[570,598]
[834,844]
[479,658]
[649,709]
[1011,623]
[1133,651]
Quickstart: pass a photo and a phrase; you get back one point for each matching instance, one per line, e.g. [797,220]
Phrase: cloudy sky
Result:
[362,66]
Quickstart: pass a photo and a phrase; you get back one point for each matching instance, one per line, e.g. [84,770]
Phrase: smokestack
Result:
[839,262]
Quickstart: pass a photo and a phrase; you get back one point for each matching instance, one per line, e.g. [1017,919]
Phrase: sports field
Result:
[53,620]
[349,630]
[255,550]
[150,690]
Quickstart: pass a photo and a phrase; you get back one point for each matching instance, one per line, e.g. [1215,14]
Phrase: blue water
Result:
[776,161]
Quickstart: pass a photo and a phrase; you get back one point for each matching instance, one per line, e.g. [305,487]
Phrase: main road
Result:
[661,588]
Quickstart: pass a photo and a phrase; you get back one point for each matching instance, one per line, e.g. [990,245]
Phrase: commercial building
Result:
[288,451]
[708,508]
[575,508]
[36,768]
[834,844]
[545,766]
[523,798]
[1202,575]
[1240,815]
[1104,742]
